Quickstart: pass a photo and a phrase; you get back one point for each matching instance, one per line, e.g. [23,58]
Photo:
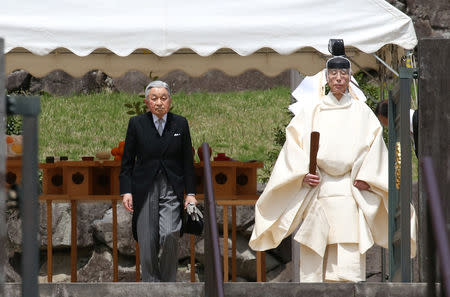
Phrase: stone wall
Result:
[95,244]
[431,18]
[94,229]
[62,84]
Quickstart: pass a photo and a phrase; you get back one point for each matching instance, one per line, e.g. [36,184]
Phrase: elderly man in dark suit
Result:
[157,171]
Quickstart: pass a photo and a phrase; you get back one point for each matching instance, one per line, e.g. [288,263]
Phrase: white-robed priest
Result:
[342,210]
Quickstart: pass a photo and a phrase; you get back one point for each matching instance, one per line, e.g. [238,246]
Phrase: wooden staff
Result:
[314,147]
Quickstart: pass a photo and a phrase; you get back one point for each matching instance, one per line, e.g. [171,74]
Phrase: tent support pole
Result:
[362,69]
[385,64]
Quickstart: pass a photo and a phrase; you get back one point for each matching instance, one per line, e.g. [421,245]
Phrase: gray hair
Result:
[157,84]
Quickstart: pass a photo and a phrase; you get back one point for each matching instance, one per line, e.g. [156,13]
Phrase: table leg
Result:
[192,249]
[225,243]
[263,266]
[258,266]
[233,239]
[138,263]
[73,248]
[114,231]
[49,242]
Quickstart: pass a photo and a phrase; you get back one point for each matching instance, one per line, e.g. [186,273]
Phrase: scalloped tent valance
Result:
[233,36]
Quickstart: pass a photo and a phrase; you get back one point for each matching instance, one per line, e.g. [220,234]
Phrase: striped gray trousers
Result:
[158,230]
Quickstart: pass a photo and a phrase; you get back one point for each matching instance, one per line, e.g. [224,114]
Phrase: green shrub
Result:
[13,125]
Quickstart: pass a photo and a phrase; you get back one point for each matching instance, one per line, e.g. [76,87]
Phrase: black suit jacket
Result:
[146,152]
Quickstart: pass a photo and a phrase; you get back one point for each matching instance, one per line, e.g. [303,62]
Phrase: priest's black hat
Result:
[337,49]
[338,63]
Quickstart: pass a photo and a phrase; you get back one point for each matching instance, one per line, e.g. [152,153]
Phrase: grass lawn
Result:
[239,124]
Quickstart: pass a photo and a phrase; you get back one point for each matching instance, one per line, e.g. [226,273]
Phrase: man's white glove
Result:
[194,212]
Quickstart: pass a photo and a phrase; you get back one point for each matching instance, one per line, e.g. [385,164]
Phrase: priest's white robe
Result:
[351,147]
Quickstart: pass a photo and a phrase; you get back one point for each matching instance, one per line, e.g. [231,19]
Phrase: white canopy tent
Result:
[160,36]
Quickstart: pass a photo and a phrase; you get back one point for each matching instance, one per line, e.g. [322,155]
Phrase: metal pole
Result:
[29,208]
[391,157]
[405,175]
[213,277]
[2,169]
[385,64]
[392,190]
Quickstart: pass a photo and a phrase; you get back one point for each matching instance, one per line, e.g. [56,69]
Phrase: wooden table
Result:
[75,181]
[92,181]
[234,184]
[13,171]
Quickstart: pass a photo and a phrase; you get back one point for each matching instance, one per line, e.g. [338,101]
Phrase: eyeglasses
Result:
[336,72]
